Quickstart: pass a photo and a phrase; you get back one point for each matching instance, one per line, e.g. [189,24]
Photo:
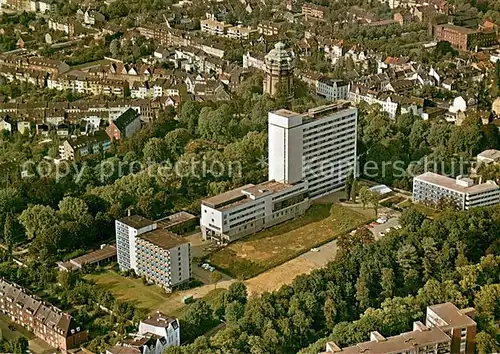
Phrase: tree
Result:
[412,219]
[155,150]
[114,48]
[215,277]
[388,282]
[348,185]
[74,209]
[374,198]
[36,218]
[330,312]
[354,190]
[364,195]
[234,312]
[363,288]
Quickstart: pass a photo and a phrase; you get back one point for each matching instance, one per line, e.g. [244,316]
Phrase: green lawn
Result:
[149,297]
[254,254]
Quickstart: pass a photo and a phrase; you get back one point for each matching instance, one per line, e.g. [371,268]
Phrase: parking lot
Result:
[378,229]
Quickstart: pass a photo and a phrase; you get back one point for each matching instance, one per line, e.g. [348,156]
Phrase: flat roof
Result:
[452,315]
[405,342]
[136,221]
[458,28]
[317,112]
[226,197]
[163,238]
[106,252]
[243,194]
[490,154]
[174,219]
[451,183]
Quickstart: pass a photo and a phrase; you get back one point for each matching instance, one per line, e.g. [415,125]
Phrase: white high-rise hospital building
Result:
[310,156]
[318,147]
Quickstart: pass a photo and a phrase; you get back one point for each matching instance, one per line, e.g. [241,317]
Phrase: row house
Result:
[33,77]
[158,88]
[71,28]
[47,322]
[50,66]
[389,102]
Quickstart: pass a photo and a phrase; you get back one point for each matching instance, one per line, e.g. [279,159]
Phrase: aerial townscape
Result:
[249,177]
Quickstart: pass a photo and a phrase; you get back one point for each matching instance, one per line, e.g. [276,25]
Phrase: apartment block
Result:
[127,229]
[318,147]
[431,187]
[152,250]
[447,330]
[456,323]
[214,27]
[310,10]
[464,38]
[331,89]
[47,322]
[251,208]
[163,258]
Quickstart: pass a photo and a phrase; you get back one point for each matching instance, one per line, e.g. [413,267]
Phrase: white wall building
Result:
[163,326]
[318,147]
[431,187]
[251,208]
[332,90]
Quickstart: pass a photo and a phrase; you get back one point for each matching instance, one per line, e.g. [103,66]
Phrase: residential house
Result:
[125,125]
[77,148]
[93,17]
[7,124]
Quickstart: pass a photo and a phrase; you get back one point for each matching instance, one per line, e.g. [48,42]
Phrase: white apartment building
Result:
[214,27]
[318,147]
[251,208]
[332,90]
[431,187]
[152,251]
[127,230]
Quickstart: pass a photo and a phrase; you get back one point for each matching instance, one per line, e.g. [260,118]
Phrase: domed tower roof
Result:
[279,55]
[495,107]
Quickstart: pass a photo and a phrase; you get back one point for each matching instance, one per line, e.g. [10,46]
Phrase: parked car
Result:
[382,220]
[314,249]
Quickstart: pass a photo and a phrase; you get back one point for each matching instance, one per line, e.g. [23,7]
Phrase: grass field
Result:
[266,249]
[148,297]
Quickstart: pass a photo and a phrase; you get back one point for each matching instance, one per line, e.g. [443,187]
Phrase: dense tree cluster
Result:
[392,151]
[384,286]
